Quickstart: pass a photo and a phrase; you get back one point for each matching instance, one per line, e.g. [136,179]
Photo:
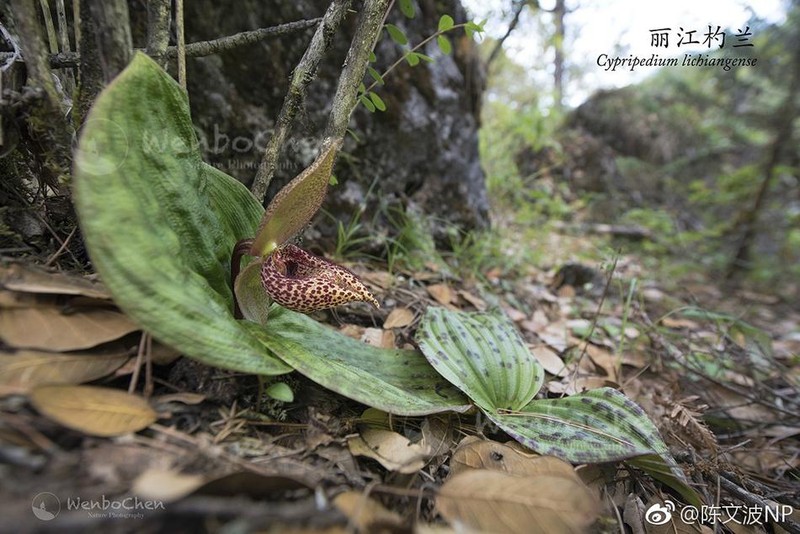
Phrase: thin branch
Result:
[511,27]
[418,46]
[198,49]
[207,48]
[305,71]
[52,39]
[158,17]
[367,33]
[181,43]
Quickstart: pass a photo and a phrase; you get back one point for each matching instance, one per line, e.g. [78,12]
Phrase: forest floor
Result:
[717,372]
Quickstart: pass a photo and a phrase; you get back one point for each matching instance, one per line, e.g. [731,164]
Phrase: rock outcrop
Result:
[422,152]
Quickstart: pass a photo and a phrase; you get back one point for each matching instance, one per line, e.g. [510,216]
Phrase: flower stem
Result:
[241,248]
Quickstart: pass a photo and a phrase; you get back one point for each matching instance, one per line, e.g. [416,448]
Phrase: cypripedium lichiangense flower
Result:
[289,275]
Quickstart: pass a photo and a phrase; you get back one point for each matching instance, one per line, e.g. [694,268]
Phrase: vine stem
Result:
[241,249]
[417,47]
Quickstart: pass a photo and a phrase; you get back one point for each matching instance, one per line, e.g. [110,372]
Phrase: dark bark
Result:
[355,68]
[304,73]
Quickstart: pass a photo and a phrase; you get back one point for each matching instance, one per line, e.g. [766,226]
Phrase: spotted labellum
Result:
[287,274]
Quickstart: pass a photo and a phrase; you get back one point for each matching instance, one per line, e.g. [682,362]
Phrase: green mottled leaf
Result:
[160,224]
[397,34]
[378,101]
[446,23]
[483,355]
[295,205]
[600,425]
[367,103]
[396,381]
[412,58]
[253,300]
[407,7]
[444,44]
[375,75]
[280,391]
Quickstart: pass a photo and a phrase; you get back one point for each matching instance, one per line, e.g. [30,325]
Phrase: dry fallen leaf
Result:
[352,330]
[514,314]
[25,369]
[604,359]
[495,501]
[30,279]
[475,453]
[442,293]
[167,486]
[550,361]
[48,328]
[392,450]
[367,515]
[478,302]
[93,410]
[382,279]
[378,337]
[398,318]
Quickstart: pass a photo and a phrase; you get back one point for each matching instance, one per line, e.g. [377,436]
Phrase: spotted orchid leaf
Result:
[159,223]
[295,204]
[483,355]
[601,425]
[400,382]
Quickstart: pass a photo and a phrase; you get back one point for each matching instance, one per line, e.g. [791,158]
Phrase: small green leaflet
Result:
[379,103]
[444,44]
[397,34]
[375,76]
[366,102]
[446,23]
[407,7]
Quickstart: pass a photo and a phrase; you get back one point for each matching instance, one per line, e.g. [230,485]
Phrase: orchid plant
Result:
[160,226]
[289,275]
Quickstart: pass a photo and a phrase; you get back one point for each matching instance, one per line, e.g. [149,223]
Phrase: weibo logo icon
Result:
[660,514]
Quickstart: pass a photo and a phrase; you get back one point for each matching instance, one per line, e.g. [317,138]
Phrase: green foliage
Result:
[396,34]
[160,225]
[142,193]
[407,8]
[280,391]
[411,55]
[689,148]
[484,356]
